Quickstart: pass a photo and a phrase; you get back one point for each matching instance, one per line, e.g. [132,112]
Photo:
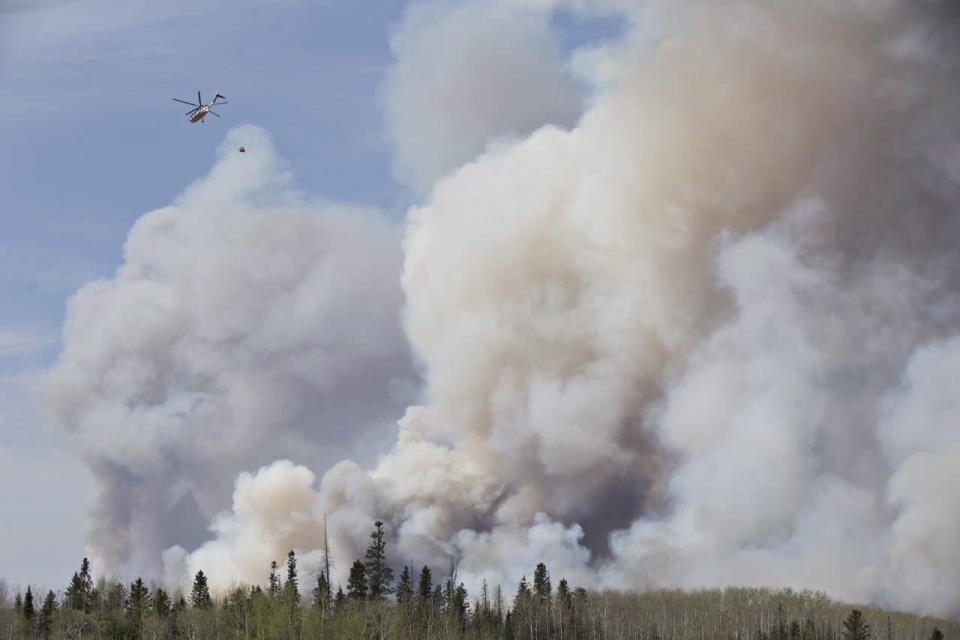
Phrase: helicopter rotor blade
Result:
[215,113]
[184,102]
[199,100]
[191,111]
[220,103]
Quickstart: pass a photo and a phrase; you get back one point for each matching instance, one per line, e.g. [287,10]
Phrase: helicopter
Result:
[200,110]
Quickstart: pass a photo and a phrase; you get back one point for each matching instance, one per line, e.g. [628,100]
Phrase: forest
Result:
[376,606]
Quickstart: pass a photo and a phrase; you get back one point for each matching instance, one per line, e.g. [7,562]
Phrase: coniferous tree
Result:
[29,609]
[321,593]
[160,602]
[291,591]
[47,611]
[79,592]
[200,595]
[459,604]
[138,601]
[405,588]
[936,634]
[855,627]
[541,582]
[425,585]
[18,604]
[379,574]
[179,603]
[274,587]
[340,599]
[357,582]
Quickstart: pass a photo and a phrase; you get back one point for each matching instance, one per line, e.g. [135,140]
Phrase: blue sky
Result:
[92,141]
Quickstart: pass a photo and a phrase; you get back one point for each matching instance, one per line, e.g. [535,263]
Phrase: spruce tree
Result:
[160,603]
[200,595]
[28,607]
[459,605]
[18,604]
[379,574]
[357,582]
[936,634]
[405,588]
[563,594]
[290,591]
[45,623]
[541,582]
[137,602]
[321,593]
[855,627]
[340,599]
[79,594]
[425,586]
[523,593]
[274,588]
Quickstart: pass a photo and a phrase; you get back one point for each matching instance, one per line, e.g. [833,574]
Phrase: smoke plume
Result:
[707,336]
[246,322]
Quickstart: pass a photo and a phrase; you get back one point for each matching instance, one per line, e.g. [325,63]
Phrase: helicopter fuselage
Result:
[199,114]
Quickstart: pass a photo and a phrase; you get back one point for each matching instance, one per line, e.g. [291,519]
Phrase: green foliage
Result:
[274,585]
[855,627]
[79,594]
[405,588]
[444,612]
[357,582]
[378,572]
[200,594]
[47,611]
[425,585]
[321,593]
[28,609]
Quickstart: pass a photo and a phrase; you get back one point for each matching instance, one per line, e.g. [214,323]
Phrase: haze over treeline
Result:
[703,333]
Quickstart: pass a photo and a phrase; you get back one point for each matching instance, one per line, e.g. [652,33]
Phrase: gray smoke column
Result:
[246,323]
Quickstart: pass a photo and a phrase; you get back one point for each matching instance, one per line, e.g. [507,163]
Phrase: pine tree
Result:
[161,603]
[179,604]
[200,595]
[379,574]
[79,594]
[28,608]
[357,582]
[274,588]
[321,593]
[405,588]
[936,634]
[137,603]
[45,623]
[523,593]
[541,582]
[459,604]
[855,627]
[291,592]
[340,599]
[425,585]
[563,594]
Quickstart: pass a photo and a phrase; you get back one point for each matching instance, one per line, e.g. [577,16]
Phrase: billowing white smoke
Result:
[706,337]
[245,324]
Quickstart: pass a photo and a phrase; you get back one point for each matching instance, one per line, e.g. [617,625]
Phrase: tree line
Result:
[376,606]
